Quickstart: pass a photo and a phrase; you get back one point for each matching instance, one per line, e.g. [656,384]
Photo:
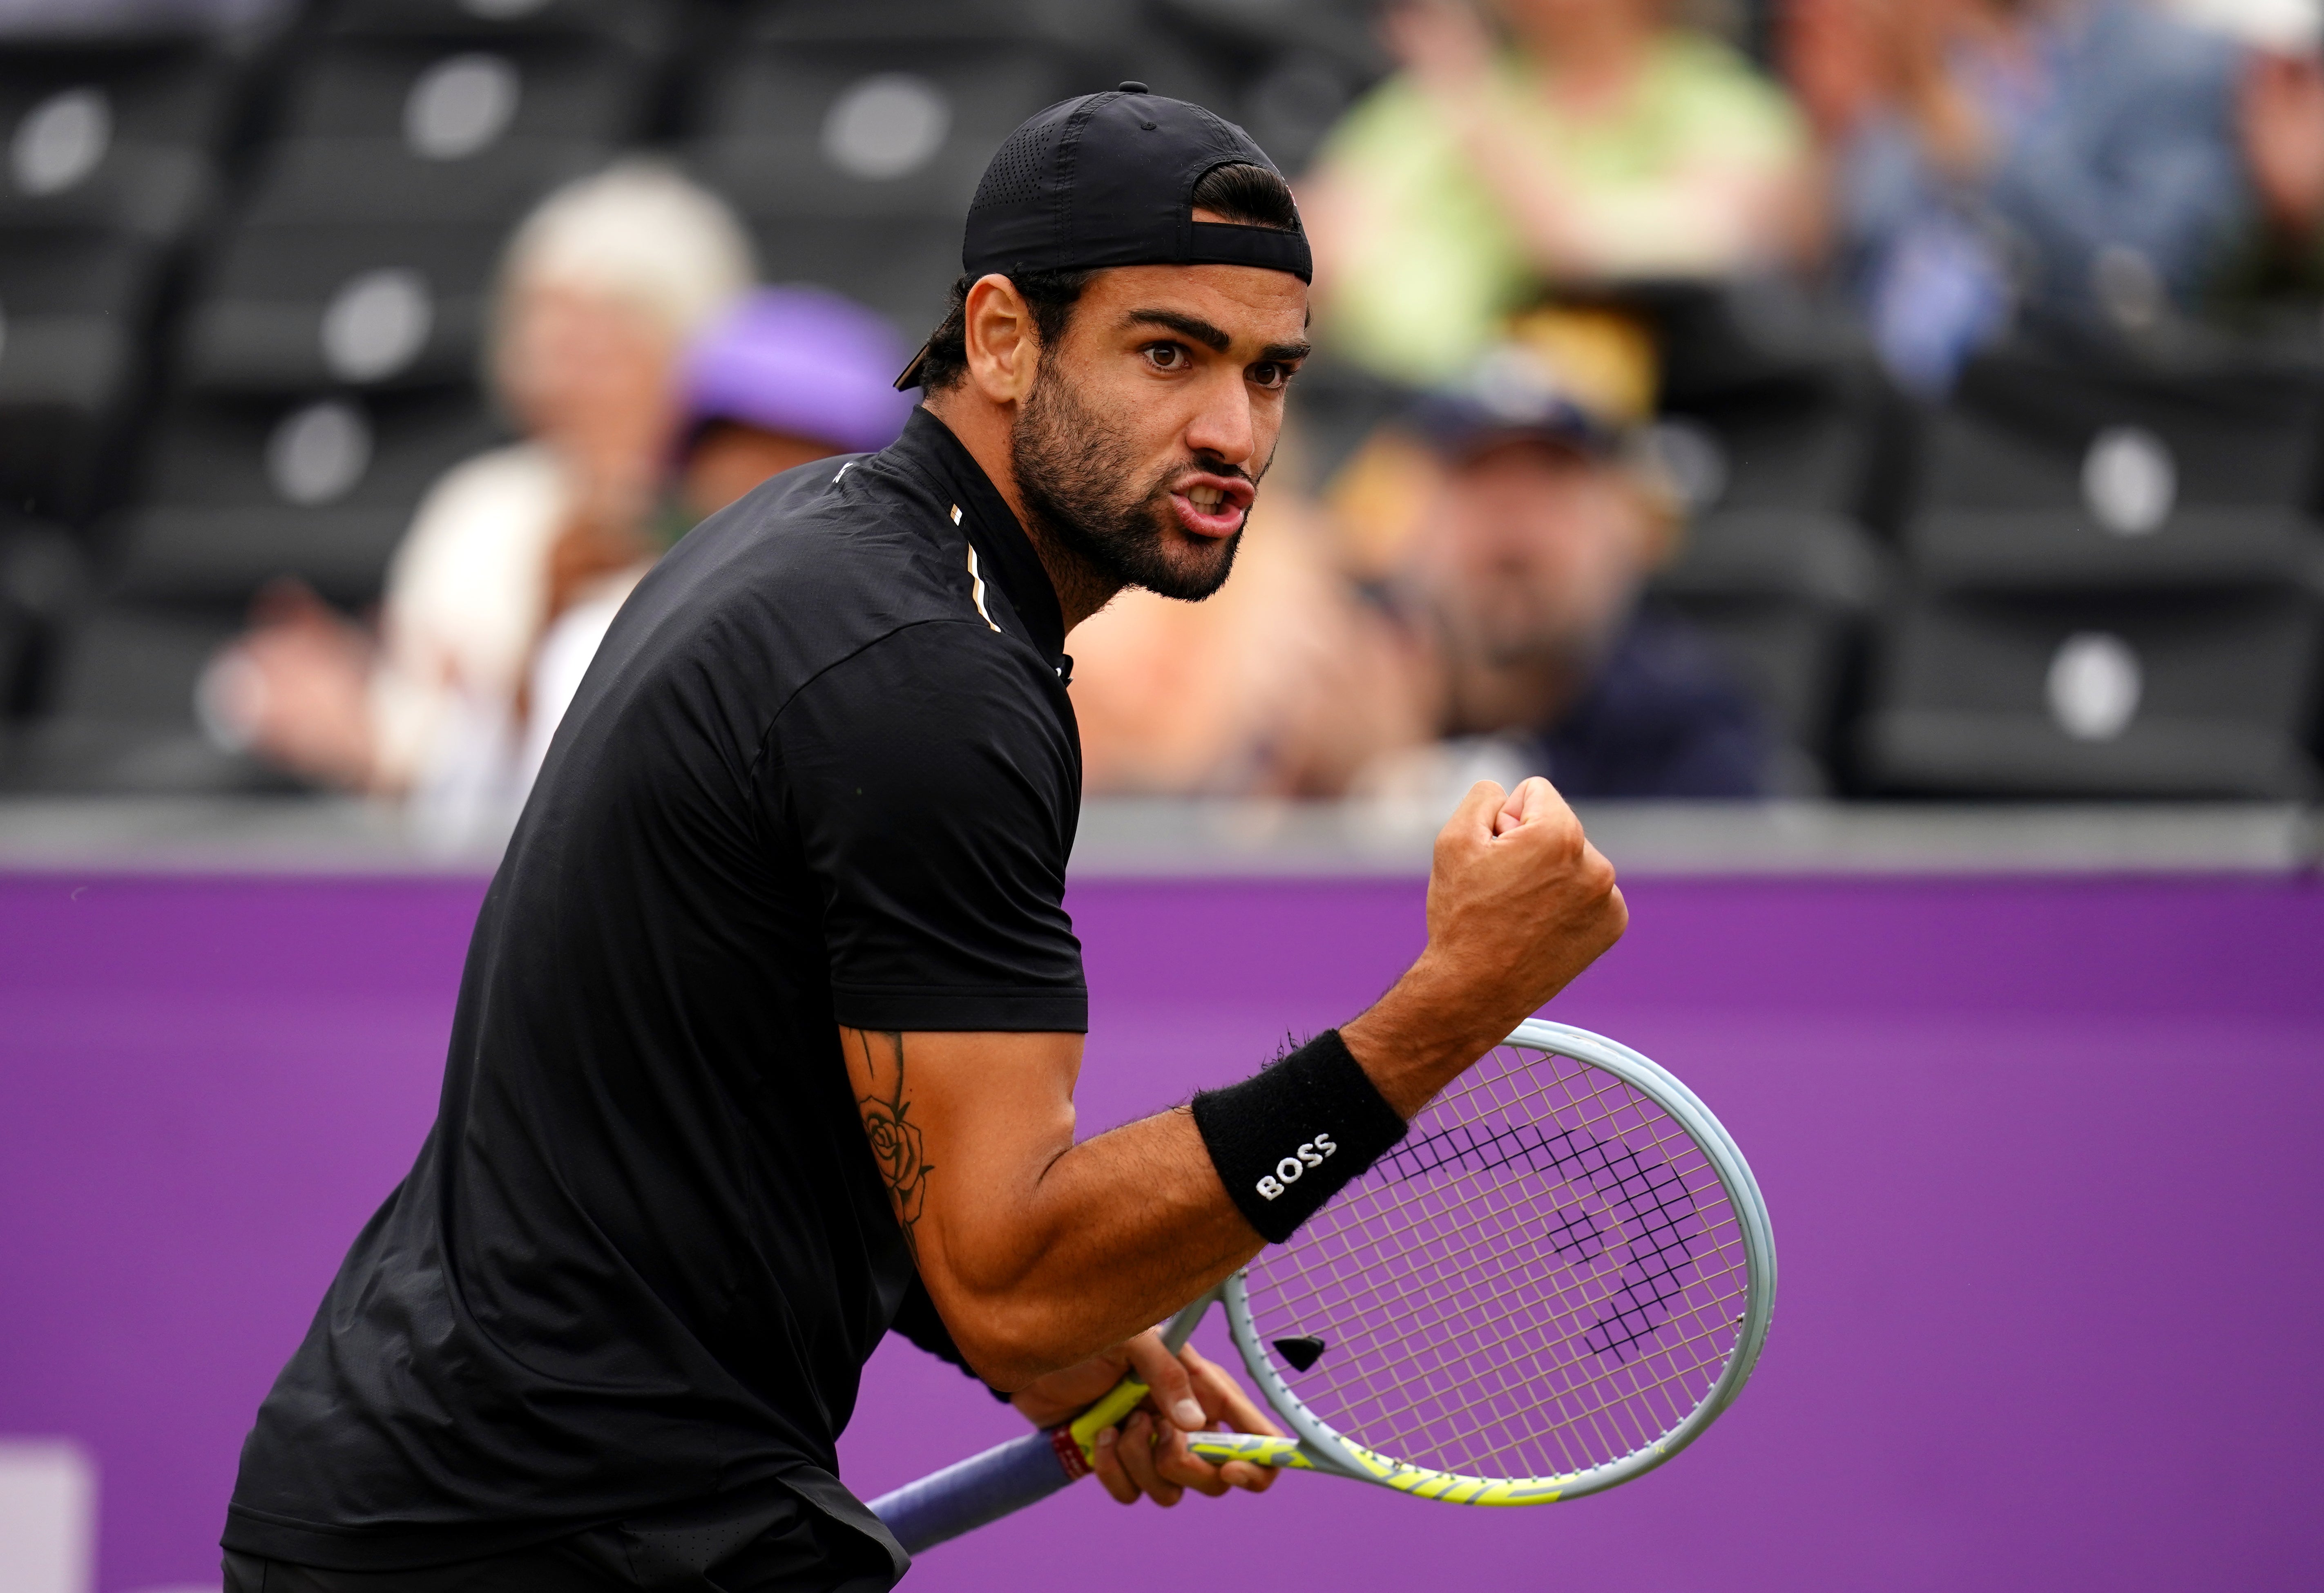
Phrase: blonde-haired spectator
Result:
[602,288]
[1602,143]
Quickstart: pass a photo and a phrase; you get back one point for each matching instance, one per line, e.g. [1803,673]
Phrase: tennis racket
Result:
[1554,1283]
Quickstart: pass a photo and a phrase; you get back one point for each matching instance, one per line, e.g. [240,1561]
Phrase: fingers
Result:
[1225,1400]
[1162,1371]
[1109,1468]
[1137,1448]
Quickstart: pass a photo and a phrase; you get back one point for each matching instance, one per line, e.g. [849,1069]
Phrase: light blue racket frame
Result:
[1322,1449]
[1013,1475]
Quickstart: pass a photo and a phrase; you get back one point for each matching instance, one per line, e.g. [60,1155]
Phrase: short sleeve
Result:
[932,783]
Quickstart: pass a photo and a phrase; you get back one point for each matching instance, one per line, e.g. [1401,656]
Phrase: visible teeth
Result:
[1205,497]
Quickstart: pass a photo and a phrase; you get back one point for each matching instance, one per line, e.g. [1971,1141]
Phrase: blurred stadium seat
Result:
[122,713]
[852,138]
[119,139]
[111,159]
[242,490]
[2114,584]
[75,310]
[1776,438]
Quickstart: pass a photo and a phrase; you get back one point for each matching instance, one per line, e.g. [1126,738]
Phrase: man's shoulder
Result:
[830,556]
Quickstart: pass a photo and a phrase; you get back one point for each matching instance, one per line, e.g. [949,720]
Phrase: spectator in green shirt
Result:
[1601,143]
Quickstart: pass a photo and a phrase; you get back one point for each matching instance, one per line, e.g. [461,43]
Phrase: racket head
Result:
[1557,1281]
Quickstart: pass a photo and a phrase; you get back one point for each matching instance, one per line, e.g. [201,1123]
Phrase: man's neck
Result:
[984,429]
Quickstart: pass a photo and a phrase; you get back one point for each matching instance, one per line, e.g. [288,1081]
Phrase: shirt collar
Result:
[1002,545]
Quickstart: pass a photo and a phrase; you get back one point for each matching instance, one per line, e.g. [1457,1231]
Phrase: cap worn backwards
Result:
[1109,179]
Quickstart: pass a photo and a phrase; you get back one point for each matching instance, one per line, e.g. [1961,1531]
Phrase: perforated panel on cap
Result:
[1014,177]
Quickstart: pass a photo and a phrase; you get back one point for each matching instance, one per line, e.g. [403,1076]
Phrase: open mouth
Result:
[1212,505]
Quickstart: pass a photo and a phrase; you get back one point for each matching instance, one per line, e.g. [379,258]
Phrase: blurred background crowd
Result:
[1861,398]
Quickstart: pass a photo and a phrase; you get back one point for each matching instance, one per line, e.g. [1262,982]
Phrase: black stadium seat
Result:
[1775,442]
[2048,473]
[847,130]
[118,139]
[854,160]
[650,27]
[2185,697]
[2117,585]
[244,490]
[294,308]
[74,312]
[123,713]
[449,101]
[1784,597]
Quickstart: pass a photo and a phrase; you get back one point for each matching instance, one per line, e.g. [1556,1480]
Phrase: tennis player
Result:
[769,1032]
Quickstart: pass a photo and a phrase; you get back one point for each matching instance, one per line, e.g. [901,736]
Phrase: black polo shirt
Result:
[823,770]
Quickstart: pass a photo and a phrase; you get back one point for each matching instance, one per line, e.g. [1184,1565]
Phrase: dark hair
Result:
[1240,192]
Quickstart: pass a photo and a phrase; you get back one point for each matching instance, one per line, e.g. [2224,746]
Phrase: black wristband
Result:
[1290,1136]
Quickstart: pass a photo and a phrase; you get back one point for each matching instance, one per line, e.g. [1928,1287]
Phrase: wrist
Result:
[1415,1040]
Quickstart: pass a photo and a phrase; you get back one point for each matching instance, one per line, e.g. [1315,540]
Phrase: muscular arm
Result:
[1039,1252]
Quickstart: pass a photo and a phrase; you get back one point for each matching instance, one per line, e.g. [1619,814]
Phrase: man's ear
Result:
[1003,349]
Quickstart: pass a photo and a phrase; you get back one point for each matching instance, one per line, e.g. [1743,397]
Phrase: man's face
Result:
[1151,422]
[1534,551]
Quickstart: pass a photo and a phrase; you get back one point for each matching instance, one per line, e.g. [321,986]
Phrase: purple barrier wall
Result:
[2039,1155]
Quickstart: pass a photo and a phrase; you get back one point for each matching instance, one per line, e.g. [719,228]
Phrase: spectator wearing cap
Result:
[1603,144]
[601,290]
[1523,580]
[787,376]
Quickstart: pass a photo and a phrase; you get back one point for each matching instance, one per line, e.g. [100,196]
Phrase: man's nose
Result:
[1224,427]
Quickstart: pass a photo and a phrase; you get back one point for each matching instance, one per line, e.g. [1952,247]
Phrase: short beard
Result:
[1075,473]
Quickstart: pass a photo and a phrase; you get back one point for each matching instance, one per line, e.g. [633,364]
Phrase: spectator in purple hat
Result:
[786,376]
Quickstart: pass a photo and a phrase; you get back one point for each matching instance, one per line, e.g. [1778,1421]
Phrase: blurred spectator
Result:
[1602,143]
[2282,120]
[1283,684]
[787,376]
[1543,520]
[2075,158]
[601,289]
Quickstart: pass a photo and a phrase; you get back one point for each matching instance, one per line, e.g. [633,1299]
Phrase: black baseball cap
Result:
[1109,179]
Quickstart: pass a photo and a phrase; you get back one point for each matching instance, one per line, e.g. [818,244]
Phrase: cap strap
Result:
[1271,248]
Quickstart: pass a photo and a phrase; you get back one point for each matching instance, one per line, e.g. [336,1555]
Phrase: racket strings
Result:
[1489,1379]
[1483,1367]
[1483,1372]
[1546,1275]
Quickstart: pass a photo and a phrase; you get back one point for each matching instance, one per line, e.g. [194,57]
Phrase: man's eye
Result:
[1166,357]
[1270,374]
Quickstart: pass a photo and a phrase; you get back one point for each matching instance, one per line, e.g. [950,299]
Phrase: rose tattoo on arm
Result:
[895,1140]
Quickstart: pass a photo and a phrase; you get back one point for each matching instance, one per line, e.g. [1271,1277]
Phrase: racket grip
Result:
[967,1495]
[1219,1447]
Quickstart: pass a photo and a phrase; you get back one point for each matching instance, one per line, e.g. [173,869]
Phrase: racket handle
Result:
[1219,1447]
[970,1493]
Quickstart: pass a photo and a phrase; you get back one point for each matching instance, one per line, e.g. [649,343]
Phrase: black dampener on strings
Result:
[1293,1135]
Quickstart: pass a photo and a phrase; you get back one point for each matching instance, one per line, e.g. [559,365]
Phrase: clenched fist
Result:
[1519,902]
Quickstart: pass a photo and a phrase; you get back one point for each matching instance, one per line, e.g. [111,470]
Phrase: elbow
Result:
[1008,1346]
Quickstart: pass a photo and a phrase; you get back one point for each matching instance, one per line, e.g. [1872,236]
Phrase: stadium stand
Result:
[242,281]
[111,159]
[1778,436]
[2115,577]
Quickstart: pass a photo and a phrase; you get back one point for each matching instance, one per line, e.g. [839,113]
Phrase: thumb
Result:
[1160,1371]
[1474,815]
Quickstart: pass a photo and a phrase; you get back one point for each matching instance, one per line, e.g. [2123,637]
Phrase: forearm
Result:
[1102,1243]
